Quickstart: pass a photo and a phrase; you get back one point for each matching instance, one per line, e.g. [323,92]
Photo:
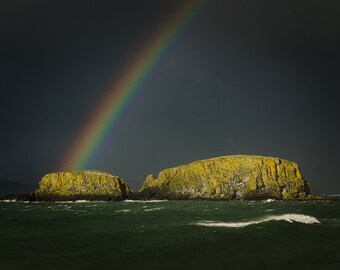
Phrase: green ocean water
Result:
[170,235]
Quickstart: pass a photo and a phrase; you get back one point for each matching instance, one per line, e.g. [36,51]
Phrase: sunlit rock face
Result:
[229,177]
[82,185]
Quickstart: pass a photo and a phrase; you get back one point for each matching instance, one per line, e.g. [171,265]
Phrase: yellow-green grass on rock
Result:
[230,177]
[82,185]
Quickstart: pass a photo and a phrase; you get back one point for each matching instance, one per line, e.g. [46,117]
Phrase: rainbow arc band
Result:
[119,95]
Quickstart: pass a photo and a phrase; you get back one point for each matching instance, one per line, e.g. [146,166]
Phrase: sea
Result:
[129,234]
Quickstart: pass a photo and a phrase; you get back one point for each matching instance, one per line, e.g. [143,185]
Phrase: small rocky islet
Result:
[239,177]
[77,185]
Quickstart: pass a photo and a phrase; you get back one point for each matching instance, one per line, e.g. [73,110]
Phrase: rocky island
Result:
[229,178]
[90,185]
[238,177]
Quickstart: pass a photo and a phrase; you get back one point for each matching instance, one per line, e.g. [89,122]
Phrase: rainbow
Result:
[119,95]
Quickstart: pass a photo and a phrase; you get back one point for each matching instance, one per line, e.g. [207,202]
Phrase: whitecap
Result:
[153,209]
[269,210]
[64,202]
[269,200]
[145,201]
[78,201]
[123,210]
[305,219]
[14,200]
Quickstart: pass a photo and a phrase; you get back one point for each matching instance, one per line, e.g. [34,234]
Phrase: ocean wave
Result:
[268,201]
[66,202]
[153,209]
[286,217]
[145,201]
[123,210]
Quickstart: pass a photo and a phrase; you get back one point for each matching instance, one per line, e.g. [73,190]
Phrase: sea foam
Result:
[145,201]
[153,209]
[123,210]
[269,200]
[14,200]
[286,217]
[76,201]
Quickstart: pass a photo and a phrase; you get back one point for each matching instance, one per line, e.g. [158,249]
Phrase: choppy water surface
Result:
[170,235]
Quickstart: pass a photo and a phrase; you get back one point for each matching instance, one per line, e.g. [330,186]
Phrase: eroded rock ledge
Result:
[229,177]
[82,185]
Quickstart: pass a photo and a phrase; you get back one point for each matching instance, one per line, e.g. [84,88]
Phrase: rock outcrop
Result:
[82,185]
[229,177]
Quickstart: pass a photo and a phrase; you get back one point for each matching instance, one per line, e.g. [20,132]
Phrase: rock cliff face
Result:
[81,185]
[229,177]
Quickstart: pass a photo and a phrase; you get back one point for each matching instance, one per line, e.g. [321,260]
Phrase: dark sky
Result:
[247,77]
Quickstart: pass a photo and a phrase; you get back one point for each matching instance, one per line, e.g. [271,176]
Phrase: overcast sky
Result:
[246,77]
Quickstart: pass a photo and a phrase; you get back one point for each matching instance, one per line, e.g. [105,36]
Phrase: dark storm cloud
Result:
[248,77]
